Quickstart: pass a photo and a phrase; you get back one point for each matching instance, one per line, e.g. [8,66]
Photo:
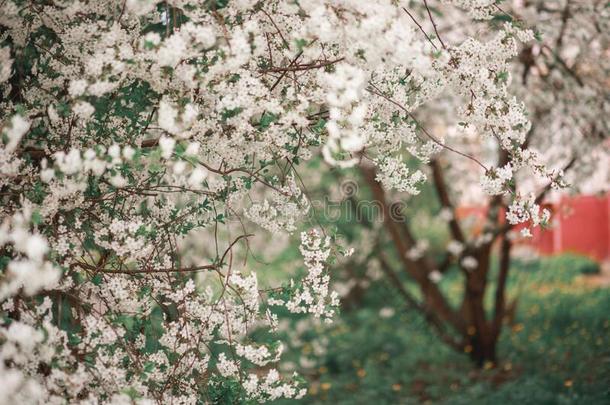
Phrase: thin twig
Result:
[421,28]
[434,25]
[381,94]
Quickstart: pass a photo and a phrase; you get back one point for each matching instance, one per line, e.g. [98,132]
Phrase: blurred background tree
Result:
[426,255]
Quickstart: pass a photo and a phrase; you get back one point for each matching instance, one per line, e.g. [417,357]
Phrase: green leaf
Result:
[36,218]
[502,18]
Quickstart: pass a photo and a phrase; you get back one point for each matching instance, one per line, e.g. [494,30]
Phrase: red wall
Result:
[581,225]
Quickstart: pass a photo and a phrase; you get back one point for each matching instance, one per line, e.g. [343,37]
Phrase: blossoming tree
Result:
[137,134]
[562,79]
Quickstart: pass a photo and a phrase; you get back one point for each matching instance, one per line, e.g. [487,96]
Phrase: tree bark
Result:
[419,269]
[468,329]
[480,334]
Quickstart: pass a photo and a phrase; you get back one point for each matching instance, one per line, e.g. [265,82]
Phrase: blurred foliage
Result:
[555,351]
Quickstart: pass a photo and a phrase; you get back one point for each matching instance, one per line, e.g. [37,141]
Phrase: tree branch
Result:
[417,269]
[429,316]
[500,299]
[443,195]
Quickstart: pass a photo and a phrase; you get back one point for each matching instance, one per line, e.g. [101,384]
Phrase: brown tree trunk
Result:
[483,351]
[434,300]
[480,334]
[472,331]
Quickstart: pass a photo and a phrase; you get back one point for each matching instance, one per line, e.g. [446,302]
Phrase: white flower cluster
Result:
[419,250]
[122,238]
[26,346]
[496,180]
[469,263]
[260,356]
[287,206]
[395,175]
[28,270]
[478,9]
[176,120]
[11,133]
[313,294]
[526,209]
[346,112]
[455,248]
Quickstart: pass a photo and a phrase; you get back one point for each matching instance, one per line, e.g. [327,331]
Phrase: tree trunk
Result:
[467,329]
[483,351]
[480,333]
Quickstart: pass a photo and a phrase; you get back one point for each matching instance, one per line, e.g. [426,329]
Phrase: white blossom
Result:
[469,263]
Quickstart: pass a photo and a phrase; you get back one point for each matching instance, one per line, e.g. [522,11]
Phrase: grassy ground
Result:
[557,351]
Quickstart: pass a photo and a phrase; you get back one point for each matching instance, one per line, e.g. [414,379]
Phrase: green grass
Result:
[556,352]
